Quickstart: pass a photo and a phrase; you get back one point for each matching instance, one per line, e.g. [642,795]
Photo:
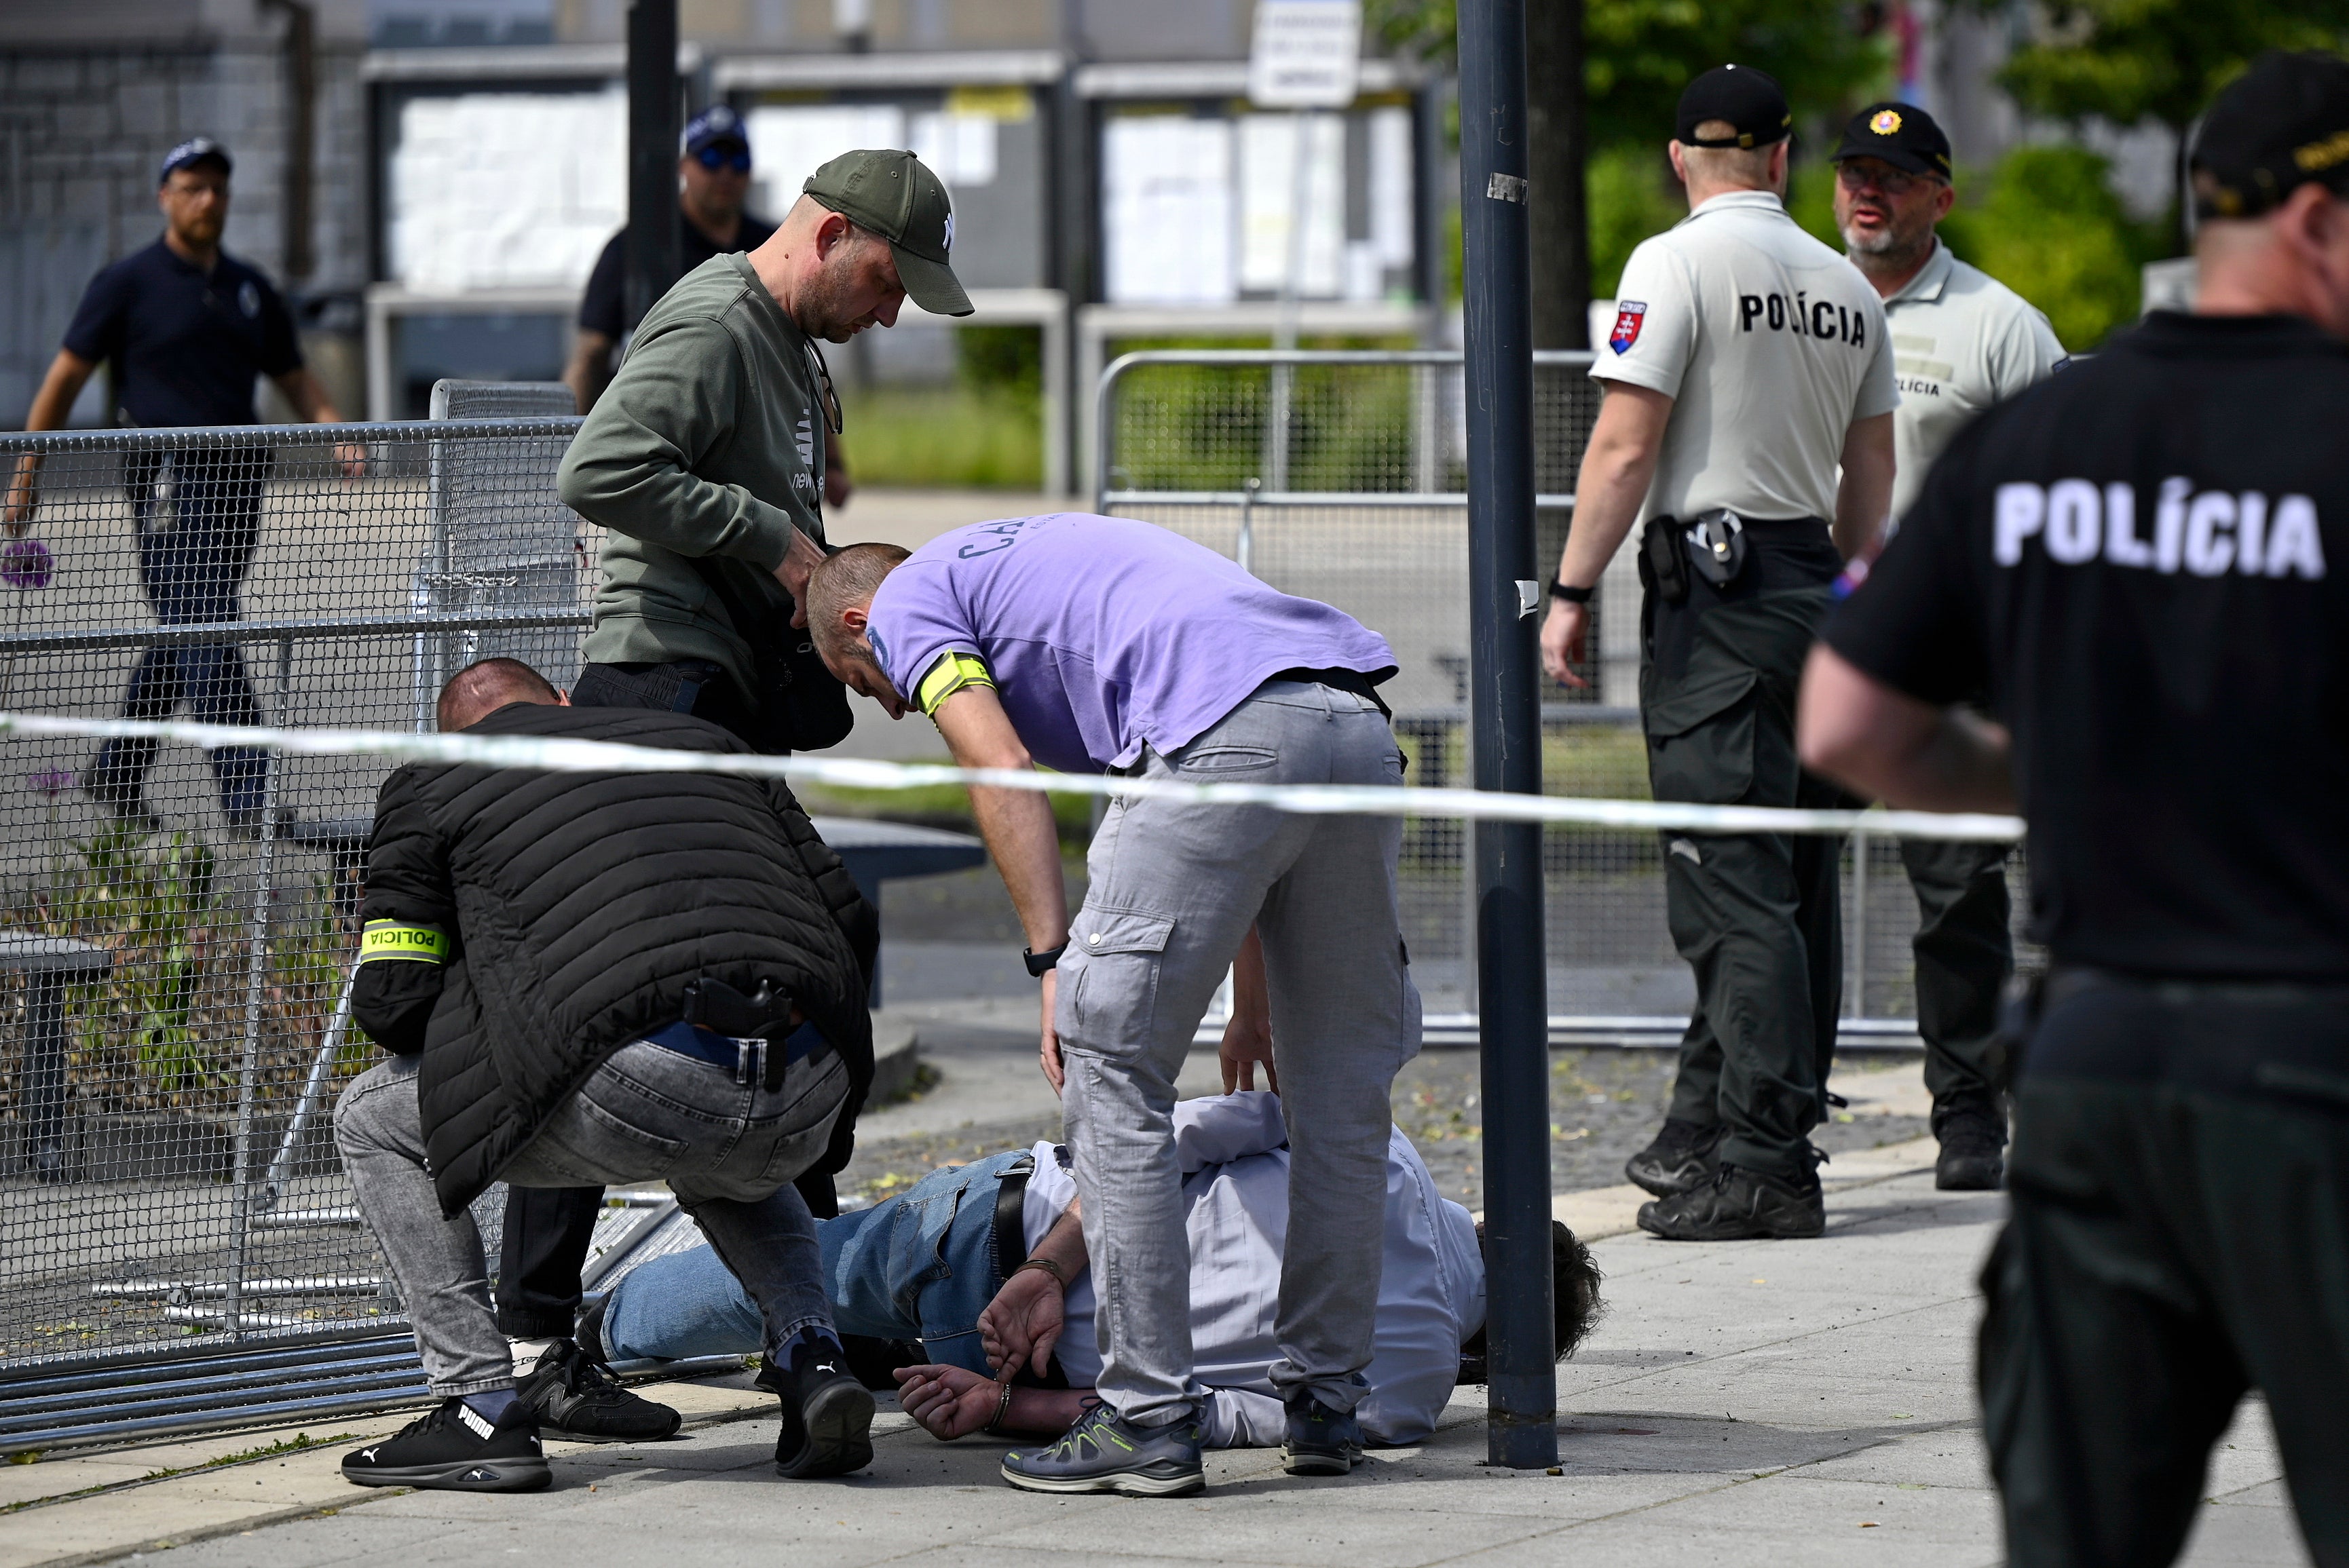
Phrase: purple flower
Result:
[27,563]
[51,782]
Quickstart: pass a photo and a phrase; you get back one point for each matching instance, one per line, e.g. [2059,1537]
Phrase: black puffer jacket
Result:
[583,904]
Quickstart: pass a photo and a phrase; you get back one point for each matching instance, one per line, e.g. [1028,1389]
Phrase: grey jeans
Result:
[1175,888]
[728,1150]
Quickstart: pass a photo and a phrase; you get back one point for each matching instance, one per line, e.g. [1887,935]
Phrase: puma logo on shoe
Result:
[475,1423]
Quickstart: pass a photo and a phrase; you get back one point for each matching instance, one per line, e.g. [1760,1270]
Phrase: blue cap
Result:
[713,125]
[195,151]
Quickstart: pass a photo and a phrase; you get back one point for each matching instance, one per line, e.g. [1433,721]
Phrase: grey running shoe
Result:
[1105,1452]
[1682,1157]
[1322,1442]
[455,1448]
[1737,1206]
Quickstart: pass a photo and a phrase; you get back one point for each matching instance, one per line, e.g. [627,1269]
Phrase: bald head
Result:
[485,686]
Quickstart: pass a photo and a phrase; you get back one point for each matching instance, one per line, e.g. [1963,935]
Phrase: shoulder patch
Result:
[1631,315]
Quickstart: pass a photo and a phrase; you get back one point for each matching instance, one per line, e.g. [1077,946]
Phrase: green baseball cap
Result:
[893,194]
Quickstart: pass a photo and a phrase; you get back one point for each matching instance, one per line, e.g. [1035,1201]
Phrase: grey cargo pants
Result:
[1175,890]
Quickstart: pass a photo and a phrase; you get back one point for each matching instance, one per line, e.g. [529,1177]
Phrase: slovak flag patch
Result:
[1628,315]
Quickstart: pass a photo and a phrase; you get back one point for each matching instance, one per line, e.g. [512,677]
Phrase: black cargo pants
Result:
[1965,951]
[2179,1234]
[1758,916]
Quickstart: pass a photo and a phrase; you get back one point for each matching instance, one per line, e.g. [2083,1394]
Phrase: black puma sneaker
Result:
[827,1413]
[455,1448]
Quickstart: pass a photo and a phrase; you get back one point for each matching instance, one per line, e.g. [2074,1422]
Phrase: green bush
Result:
[961,437]
[2049,227]
[1631,194]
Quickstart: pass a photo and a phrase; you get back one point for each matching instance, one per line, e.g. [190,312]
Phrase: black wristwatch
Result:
[1038,963]
[1572,596]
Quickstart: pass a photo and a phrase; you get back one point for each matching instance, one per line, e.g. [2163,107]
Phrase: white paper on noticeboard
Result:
[1268,201]
[790,141]
[1166,190]
[506,190]
[958,148]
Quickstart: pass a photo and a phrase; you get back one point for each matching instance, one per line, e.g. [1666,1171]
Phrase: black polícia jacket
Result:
[575,911]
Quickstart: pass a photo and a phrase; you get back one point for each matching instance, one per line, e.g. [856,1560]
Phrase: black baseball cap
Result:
[188,154]
[1750,100]
[717,126]
[2280,124]
[1902,134]
[896,195]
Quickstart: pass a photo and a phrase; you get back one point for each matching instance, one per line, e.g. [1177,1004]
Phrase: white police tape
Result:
[557,756]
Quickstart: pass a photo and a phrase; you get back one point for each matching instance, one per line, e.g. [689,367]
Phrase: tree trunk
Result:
[1559,218]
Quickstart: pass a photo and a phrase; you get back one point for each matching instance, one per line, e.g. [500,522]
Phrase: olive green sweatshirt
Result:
[709,443]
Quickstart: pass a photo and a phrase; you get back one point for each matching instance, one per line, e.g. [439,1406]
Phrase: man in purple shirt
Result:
[1095,644]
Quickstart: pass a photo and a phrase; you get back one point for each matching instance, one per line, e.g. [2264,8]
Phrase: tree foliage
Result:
[2131,60]
[1639,54]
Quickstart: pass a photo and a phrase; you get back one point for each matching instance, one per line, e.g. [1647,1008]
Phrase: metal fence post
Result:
[1243,548]
[1859,937]
[256,980]
[1512,980]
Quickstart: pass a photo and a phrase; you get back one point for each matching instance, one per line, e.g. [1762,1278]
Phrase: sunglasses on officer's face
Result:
[720,156]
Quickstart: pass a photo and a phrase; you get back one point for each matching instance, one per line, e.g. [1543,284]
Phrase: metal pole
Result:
[313,1094]
[1244,548]
[1293,289]
[652,255]
[1506,724]
[256,980]
[1857,1006]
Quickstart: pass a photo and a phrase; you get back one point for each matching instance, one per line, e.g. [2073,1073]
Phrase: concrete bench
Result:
[875,852]
[49,964]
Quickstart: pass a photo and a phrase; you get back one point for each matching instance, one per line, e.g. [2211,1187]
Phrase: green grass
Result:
[960,438]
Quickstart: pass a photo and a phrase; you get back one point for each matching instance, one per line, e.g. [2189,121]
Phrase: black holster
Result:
[764,1013]
[1663,560]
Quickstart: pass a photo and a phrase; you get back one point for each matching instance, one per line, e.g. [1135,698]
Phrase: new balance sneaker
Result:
[1682,1157]
[1322,1442]
[827,1413]
[1973,1149]
[1739,1205]
[1105,1452]
[575,1399]
[455,1448]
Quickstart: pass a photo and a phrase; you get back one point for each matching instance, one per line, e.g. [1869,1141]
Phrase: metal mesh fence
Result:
[177,929]
[1362,504]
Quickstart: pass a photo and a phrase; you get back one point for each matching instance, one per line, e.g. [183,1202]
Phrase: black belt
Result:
[1354,681]
[744,1056]
[1011,1217]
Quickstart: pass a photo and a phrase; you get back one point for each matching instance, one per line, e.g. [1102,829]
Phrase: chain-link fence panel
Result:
[177,928]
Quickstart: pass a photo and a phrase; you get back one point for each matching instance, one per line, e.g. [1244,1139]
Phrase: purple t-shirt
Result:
[1103,635]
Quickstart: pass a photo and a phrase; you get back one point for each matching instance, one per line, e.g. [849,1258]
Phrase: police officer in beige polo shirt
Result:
[1961,341]
[1747,364]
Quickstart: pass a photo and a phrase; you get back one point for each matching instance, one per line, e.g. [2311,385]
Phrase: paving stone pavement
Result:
[1756,1403]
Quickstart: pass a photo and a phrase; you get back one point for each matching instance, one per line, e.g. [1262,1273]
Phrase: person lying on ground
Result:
[976,1275]
[593,978]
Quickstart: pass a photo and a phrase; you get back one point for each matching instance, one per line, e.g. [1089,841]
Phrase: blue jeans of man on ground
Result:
[193,559]
[728,1151]
[921,1265]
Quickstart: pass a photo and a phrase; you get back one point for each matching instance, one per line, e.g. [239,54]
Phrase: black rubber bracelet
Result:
[1572,596]
[1038,963]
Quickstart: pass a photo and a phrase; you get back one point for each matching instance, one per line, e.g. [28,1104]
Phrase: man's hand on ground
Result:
[1048,1050]
[948,1402]
[1023,1323]
[800,561]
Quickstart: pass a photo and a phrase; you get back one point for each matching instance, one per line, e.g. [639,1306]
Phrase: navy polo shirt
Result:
[603,309]
[186,344]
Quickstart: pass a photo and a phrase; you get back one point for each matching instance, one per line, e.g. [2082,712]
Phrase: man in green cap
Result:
[704,460]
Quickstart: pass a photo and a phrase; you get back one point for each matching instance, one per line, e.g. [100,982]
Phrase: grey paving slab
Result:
[1802,1404]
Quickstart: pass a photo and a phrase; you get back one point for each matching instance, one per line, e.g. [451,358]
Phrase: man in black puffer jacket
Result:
[593,978]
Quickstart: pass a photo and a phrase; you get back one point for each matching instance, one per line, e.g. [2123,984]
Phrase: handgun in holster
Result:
[764,1014]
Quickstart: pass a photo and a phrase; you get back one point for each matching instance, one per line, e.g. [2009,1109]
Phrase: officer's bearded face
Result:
[195,205]
[1883,210]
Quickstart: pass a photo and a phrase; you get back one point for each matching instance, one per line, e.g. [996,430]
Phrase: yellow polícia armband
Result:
[389,939]
[948,676]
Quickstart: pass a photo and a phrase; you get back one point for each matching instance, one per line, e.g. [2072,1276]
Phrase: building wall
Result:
[83,123]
